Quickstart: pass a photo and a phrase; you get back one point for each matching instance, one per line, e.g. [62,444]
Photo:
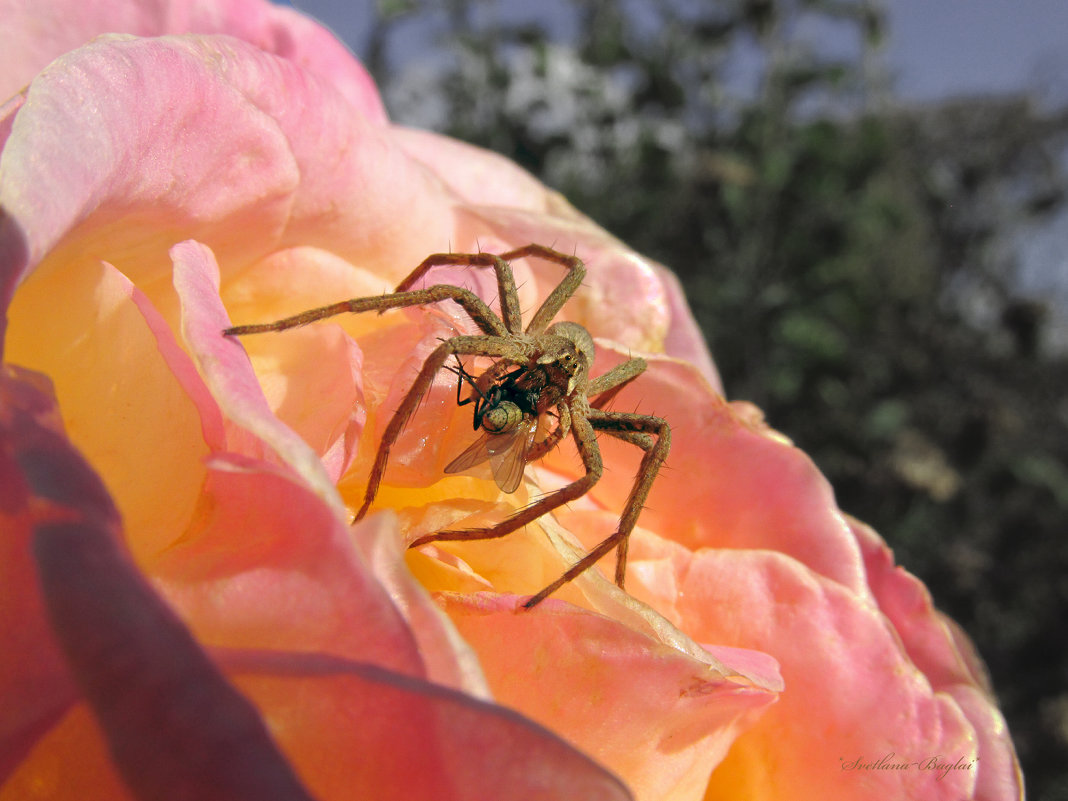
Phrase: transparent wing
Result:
[508,463]
[506,452]
[477,452]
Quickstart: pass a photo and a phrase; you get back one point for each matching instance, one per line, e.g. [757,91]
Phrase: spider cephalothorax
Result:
[541,370]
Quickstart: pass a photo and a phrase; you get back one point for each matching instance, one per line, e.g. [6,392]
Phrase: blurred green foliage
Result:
[850,260]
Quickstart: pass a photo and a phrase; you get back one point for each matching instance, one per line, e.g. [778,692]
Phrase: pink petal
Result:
[356,731]
[477,176]
[267,564]
[175,728]
[185,373]
[851,693]
[35,34]
[7,115]
[927,635]
[729,481]
[228,371]
[450,661]
[997,770]
[685,339]
[936,646]
[660,718]
[263,147]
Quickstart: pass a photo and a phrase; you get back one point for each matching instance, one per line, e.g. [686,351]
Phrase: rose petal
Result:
[997,770]
[450,661]
[168,714]
[658,717]
[228,371]
[123,404]
[267,564]
[358,731]
[262,147]
[7,116]
[685,339]
[477,176]
[925,633]
[936,646]
[851,692]
[728,482]
[34,35]
[122,644]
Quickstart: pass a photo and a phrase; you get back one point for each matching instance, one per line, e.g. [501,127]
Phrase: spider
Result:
[539,370]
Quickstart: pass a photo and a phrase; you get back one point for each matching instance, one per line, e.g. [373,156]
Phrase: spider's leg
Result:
[461,376]
[564,290]
[539,449]
[608,384]
[591,461]
[563,413]
[462,345]
[640,430]
[475,307]
[644,441]
[510,314]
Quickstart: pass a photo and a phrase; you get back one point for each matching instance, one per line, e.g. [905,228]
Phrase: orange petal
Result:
[658,717]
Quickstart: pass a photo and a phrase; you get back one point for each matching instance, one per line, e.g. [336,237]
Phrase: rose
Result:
[292,184]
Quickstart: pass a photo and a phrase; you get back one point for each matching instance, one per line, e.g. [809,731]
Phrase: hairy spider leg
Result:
[480,399]
[616,424]
[506,291]
[586,441]
[476,309]
[614,380]
[502,347]
[603,389]
[561,293]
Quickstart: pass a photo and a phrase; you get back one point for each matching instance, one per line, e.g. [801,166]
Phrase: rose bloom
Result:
[187,611]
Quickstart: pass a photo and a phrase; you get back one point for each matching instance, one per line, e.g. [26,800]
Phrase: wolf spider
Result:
[539,370]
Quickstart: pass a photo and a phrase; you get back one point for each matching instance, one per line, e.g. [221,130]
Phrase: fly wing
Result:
[506,452]
[477,452]
[508,459]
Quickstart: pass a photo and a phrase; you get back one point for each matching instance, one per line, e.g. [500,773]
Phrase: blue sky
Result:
[938,48]
[935,49]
